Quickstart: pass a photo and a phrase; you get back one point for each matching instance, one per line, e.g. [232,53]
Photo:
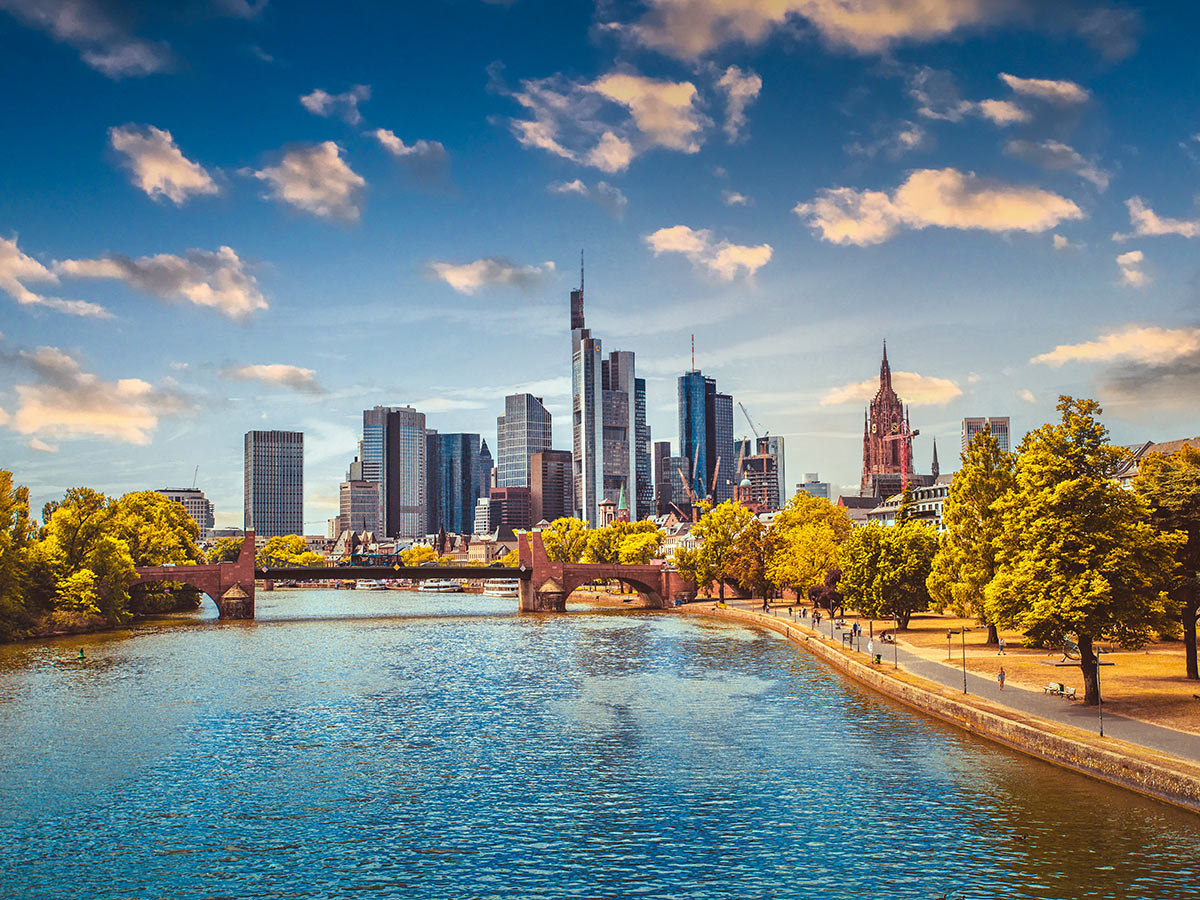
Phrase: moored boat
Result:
[440,586]
[369,584]
[500,587]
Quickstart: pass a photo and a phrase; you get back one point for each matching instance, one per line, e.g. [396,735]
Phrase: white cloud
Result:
[1027,395]
[1144,345]
[16,268]
[741,89]
[608,197]
[216,279]
[66,402]
[156,165]
[102,37]
[316,180]
[1063,93]
[294,377]
[472,277]
[733,198]
[344,106]
[1057,156]
[721,258]
[425,158]
[1132,273]
[606,123]
[914,389]
[1147,223]
[946,198]
[1061,243]
[1002,112]
[691,28]
[937,97]
[906,137]
[40,445]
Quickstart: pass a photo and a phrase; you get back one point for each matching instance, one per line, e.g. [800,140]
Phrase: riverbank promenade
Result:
[1018,699]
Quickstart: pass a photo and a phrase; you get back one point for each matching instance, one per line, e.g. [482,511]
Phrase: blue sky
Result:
[223,215]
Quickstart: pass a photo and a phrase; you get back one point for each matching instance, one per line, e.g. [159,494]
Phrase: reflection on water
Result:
[400,744]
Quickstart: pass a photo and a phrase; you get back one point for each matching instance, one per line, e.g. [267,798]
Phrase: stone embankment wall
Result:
[1168,778]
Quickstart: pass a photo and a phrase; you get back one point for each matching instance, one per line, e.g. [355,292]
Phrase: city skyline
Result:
[183,261]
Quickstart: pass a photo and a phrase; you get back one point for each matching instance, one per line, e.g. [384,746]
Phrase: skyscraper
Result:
[393,456]
[774,446]
[997,425]
[706,436]
[523,430]
[455,481]
[274,483]
[663,496]
[550,485]
[198,506]
[610,437]
[358,506]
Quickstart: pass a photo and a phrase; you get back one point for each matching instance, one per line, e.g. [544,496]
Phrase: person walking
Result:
[1001,653]
[1000,677]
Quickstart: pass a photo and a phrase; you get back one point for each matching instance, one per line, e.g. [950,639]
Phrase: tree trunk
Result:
[1089,664]
[722,583]
[993,638]
[1191,609]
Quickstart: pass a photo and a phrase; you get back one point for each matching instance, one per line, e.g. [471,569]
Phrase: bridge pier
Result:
[230,584]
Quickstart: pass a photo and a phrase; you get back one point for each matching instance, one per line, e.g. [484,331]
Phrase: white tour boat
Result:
[440,586]
[369,584]
[500,587]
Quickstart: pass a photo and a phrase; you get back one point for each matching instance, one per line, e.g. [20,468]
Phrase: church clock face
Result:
[874,428]
[895,427]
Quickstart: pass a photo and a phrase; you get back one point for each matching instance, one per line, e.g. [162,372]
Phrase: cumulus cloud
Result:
[41,446]
[16,268]
[217,280]
[472,277]
[66,402]
[283,375]
[1027,395]
[1062,243]
[740,89]
[90,26]
[317,180]
[1057,156]
[721,258]
[1147,345]
[344,106]
[157,166]
[913,388]
[937,96]
[733,198]
[946,198]
[608,197]
[1063,93]
[606,123]
[1147,223]
[1002,112]
[1132,273]
[427,159]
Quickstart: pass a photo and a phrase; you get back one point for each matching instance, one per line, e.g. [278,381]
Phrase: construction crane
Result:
[712,490]
[901,435]
[753,427]
[195,475]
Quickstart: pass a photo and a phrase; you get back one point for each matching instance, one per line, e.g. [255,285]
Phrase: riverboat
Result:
[440,586]
[369,584]
[500,587]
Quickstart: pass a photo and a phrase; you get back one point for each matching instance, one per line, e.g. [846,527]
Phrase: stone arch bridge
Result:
[543,586]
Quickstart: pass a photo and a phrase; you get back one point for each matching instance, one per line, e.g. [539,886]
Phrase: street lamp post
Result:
[949,652]
[895,634]
[963,632]
[1099,699]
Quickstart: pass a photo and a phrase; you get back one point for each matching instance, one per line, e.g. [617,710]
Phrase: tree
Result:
[16,535]
[638,547]
[804,542]
[1077,554]
[280,551]
[693,566]
[226,549]
[603,544]
[904,512]
[565,540]
[1170,485]
[748,559]
[716,535]
[826,595]
[965,563]
[415,556]
[157,531]
[308,559]
[884,570]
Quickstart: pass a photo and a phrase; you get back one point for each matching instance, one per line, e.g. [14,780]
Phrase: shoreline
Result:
[1153,774]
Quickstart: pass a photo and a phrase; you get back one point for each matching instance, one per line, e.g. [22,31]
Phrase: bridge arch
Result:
[229,584]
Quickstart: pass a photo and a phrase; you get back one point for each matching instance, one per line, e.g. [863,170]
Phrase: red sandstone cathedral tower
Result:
[886,435]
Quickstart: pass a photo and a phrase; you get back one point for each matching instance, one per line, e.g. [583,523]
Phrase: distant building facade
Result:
[273,483]
[523,430]
[759,486]
[456,481]
[509,507]
[706,436]
[198,506]
[814,486]
[359,506]
[997,425]
[393,456]
[551,490]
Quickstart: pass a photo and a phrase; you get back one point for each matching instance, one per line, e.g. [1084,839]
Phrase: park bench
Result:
[1053,688]
[1068,692]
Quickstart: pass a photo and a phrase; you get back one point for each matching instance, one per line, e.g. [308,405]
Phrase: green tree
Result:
[566,540]
[1170,485]
[693,566]
[965,563]
[16,534]
[226,549]
[158,531]
[640,546]
[904,512]
[749,558]
[280,551]
[884,570]
[717,534]
[805,536]
[1077,554]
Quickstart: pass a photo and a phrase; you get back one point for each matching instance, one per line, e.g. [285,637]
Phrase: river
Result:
[395,744]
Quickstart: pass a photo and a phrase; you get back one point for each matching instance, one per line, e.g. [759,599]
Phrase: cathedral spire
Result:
[935,468]
[885,371]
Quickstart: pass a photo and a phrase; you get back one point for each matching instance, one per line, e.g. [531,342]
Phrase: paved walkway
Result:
[1057,709]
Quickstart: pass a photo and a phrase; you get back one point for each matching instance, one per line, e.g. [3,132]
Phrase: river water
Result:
[394,744]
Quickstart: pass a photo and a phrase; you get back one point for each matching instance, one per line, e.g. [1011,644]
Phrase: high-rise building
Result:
[768,444]
[522,431]
[550,485]
[663,495]
[997,425]
[359,506]
[814,486]
[486,468]
[393,456]
[510,507]
[274,483]
[887,441]
[198,506]
[455,481]
[706,437]
[610,437]
[763,489]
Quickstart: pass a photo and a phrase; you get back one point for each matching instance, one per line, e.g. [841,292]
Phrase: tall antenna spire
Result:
[581,271]
[693,353]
